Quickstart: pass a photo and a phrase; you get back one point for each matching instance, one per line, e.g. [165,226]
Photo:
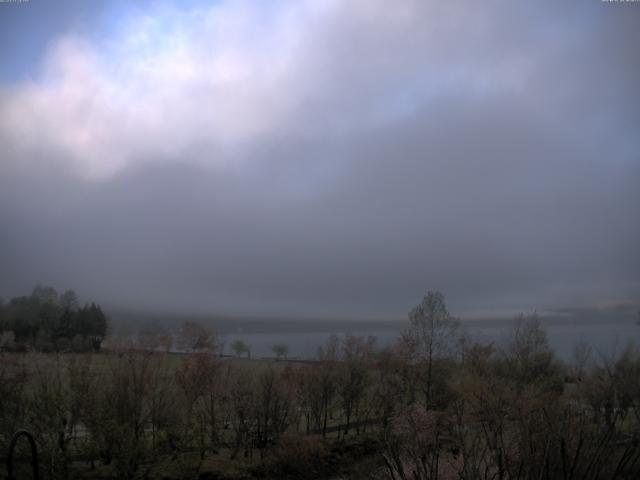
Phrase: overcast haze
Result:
[321,158]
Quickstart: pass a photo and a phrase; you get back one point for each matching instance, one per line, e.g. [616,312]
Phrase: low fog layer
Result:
[329,158]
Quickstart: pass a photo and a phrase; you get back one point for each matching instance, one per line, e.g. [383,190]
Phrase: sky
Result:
[321,158]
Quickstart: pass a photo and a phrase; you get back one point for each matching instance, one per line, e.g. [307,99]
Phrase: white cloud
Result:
[191,85]
[212,77]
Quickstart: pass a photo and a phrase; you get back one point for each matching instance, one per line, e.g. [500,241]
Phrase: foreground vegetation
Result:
[433,406]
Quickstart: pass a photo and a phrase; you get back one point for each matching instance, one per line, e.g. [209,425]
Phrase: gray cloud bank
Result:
[337,158]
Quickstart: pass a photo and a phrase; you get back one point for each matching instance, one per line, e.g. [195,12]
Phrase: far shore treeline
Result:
[51,322]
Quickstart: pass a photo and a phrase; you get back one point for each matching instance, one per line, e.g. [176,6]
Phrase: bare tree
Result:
[354,376]
[280,350]
[242,391]
[14,381]
[414,445]
[388,386]
[325,376]
[529,358]
[198,379]
[50,407]
[194,337]
[582,355]
[432,335]
[274,408]
[240,347]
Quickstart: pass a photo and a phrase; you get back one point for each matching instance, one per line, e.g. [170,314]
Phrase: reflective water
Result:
[605,338]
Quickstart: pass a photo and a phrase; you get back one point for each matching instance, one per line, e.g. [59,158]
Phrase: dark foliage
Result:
[48,322]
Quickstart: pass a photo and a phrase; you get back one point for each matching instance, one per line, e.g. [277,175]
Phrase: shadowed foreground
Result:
[431,407]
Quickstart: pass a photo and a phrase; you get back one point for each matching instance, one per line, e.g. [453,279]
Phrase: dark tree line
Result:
[47,322]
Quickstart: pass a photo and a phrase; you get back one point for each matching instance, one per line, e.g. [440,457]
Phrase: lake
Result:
[606,338]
